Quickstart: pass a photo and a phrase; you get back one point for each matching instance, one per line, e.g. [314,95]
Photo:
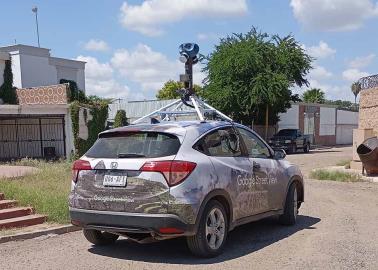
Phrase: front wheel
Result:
[212,232]
[289,217]
[306,148]
[292,149]
[99,238]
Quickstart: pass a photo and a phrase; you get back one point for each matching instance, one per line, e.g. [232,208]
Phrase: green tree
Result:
[250,75]
[169,90]
[356,89]
[7,91]
[342,104]
[314,95]
[120,119]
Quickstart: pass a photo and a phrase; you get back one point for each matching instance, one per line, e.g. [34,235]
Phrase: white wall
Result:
[290,119]
[36,71]
[33,66]
[347,118]
[346,122]
[327,121]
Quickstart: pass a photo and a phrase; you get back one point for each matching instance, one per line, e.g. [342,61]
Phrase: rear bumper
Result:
[128,222]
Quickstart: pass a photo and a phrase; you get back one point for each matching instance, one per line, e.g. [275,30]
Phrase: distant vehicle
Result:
[193,179]
[290,140]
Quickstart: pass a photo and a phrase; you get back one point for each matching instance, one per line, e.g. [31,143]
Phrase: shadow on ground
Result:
[241,241]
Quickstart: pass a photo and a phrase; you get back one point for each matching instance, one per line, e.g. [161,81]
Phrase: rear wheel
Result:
[289,217]
[212,232]
[99,238]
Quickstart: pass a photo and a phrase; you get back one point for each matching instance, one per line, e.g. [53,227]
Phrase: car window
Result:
[255,147]
[286,133]
[221,142]
[135,144]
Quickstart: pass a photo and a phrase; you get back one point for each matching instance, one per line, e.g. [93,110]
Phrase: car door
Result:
[231,165]
[266,171]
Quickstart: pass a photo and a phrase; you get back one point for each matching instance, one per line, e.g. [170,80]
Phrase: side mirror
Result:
[279,154]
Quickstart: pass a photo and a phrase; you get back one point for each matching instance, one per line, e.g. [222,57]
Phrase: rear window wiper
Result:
[130,155]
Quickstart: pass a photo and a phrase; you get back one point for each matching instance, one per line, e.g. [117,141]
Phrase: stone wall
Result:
[368,116]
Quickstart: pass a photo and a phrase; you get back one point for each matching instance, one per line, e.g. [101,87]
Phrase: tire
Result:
[293,149]
[306,149]
[200,243]
[289,217]
[100,238]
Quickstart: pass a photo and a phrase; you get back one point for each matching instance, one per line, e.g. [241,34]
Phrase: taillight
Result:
[174,171]
[79,165]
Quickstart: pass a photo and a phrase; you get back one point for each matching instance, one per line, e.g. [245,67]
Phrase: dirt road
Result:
[337,229]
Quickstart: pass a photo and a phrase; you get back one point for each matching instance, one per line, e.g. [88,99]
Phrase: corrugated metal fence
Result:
[32,136]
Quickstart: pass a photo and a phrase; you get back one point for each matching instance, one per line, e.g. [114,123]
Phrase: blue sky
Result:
[131,46]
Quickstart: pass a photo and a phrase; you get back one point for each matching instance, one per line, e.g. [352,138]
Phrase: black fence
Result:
[32,136]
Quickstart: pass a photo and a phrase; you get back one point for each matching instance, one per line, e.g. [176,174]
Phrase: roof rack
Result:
[195,106]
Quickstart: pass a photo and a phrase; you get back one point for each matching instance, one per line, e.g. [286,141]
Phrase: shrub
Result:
[120,119]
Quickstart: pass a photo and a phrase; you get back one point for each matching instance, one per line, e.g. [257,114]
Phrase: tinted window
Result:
[255,147]
[134,145]
[222,142]
[287,132]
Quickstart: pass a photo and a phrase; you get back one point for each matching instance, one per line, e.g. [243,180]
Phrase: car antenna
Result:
[189,55]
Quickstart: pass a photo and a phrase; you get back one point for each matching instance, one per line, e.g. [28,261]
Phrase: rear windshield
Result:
[287,132]
[135,145]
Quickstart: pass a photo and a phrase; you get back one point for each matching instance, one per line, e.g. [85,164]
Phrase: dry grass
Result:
[344,163]
[339,176]
[47,190]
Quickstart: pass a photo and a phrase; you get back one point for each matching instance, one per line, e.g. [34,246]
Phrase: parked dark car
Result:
[290,140]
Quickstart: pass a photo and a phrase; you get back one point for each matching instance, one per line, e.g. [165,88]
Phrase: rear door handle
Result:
[256,166]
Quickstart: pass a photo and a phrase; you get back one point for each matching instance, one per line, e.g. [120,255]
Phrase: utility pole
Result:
[35,10]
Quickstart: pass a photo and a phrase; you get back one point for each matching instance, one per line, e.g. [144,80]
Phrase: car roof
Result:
[173,127]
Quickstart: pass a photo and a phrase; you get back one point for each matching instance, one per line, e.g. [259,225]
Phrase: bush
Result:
[120,119]
[74,93]
[7,91]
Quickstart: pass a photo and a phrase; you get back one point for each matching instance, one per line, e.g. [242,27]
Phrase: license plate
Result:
[114,180]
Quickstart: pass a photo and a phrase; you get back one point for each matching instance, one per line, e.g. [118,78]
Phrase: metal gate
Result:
[33,136]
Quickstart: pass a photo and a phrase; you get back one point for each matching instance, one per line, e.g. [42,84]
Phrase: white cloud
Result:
[207,36]
[323,50]
[354,74]
[149,68]
[362,62]
[333,15]
[333,92]
[99,79]
[320,73]
[96,45]
[148,17]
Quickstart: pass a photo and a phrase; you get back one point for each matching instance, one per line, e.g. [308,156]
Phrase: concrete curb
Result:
[29,235]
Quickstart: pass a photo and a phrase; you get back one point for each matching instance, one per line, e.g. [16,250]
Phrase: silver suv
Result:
[194,179]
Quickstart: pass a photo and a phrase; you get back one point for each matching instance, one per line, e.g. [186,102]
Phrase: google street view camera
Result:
[188,56]
[189,104]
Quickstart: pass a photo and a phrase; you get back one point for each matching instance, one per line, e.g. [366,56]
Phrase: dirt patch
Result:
[7,171]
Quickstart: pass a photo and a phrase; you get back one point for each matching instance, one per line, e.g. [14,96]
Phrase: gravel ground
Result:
[337,229]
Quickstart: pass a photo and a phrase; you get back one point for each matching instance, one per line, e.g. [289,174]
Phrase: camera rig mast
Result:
[189,104]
